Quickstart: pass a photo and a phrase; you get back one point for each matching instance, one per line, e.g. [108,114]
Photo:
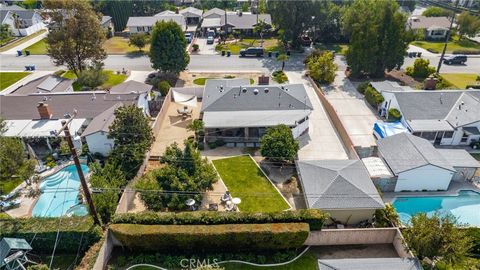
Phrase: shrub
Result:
[386,217]
[201,146]
[164,86]
[91,255]
[473,86]
[394,114]
[92,77]
[363,87]
[314,217]
[220,142]
[373,96]
[59,72]
[211,237]
[45,232]
[212,145]
[38,267]
[195,47]
[474,234]
[421,69]
[280,76]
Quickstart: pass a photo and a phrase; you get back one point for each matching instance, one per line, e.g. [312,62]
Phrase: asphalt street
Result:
[209,63]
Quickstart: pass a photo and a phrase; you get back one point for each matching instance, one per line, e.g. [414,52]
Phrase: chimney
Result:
[44,111]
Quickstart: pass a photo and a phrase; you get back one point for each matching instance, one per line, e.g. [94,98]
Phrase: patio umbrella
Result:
[186,100]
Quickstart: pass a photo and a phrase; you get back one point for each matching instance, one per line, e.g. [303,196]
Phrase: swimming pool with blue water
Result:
[59,193]
[465,206]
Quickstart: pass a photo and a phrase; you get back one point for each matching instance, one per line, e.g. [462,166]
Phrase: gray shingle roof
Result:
[387,86]
[56,85]
[151,20]
[212,11]
[459,158]
[370,264]
[11,7]
[246,21]
[338,184]
[422,22]
[105,19]
[102,121]
[234,98]
[130,87]
[440,105]
[191,11]
[404,151]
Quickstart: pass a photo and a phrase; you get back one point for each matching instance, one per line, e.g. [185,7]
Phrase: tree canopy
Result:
[132,136]
[436,12]
[139,40]
[168,48]
[182,170]
[377,37]
[322,67]
[468,24]
[278,144]
[76,38]
[437,236]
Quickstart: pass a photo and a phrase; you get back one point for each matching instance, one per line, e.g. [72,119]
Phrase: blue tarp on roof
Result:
[382,130]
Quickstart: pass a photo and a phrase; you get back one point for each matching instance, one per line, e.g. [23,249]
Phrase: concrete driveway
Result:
[354,112]
[204,48]
[322,141]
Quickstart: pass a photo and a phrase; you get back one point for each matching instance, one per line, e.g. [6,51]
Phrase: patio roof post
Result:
[49,145]
[246,133]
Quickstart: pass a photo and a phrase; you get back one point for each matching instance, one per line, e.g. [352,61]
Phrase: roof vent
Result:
[286,89]
[266,90]
[255,91]
[221,88]
[244,90]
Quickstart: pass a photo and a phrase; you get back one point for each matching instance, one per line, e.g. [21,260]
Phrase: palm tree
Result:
[16,22]
[283,58]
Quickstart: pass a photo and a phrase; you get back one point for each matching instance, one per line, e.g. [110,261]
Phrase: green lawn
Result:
[270,44]
[114,45]
[202,81]
[307,262]
[9,185]
[113,79]
[20,41]
[454,45]
[245,180]
[337,48]
[4,216]
[9,78]
[39,47]
[461,80]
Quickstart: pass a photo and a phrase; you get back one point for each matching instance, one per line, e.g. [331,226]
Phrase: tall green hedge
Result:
[238,237]
[314,217]
[45,232]
[373,96]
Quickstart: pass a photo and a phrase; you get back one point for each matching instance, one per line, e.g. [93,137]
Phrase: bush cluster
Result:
[269,236]
[420,69]
[394,114]
[469,51]
[373,96]
[45,232]
[363,87]
[314,217]
[164,86]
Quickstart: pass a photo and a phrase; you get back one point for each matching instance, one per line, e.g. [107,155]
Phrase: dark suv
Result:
[256,51]
[455,59]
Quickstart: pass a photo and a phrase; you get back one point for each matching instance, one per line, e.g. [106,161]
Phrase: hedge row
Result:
[314,217]
[45,232]
[373,97]
[272,236]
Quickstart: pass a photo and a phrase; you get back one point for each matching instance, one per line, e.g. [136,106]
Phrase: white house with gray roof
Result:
[244,22]
[21,22]
[239,113]
[444,117]
[342,188]
[415,163]
[145,24]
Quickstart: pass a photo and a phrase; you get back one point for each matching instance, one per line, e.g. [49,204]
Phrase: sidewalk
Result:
[25,44]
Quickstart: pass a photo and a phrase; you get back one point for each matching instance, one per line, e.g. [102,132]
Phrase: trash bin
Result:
[223,53]
[288,52]
[269,54]
[27,67]
[419,54]
[32,67]
[277,54]
[27,53]
[19,53]
[229,53]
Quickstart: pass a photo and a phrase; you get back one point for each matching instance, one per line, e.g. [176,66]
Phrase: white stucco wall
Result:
[99,143]
[298,130]
[428,177]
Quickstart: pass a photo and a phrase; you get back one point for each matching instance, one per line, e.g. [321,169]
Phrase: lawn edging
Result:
[264,174]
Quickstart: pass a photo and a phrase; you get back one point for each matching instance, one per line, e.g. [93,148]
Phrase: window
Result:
[429,135]
[448,134]
[418,134]
[139,28]
[464,138]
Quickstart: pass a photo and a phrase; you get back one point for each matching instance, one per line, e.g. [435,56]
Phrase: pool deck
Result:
[453,189]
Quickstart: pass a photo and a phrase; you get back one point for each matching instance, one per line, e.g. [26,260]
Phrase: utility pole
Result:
[447,39]
[86,191]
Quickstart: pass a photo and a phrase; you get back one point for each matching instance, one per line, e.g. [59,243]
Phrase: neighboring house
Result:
[22,22]
[370,264]
[96,133]
[467,3]
[244,22]
[415,163]
[45,84]
[192,15]
[145,24]
[449,117]
[39,114]
[434,28]
[342,188]
[239,113]
[107,24]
